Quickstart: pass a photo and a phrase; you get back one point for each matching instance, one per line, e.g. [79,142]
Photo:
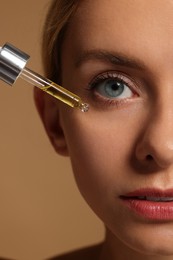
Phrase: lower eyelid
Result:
[98,95]
[101,102]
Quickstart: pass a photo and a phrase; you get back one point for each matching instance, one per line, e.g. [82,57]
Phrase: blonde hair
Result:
[56,23]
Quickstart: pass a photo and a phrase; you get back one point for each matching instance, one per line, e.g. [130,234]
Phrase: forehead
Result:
[130,25]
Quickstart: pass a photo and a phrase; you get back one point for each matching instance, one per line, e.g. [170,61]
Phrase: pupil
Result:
[114,88]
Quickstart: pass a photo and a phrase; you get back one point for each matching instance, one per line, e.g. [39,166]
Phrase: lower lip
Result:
[151,210]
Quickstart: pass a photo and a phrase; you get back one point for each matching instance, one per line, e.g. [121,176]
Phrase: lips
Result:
[150,203]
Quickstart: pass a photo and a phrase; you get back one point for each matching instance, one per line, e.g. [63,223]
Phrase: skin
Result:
[118,147]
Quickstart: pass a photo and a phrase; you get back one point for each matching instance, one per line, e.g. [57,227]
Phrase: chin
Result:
[145,239]
[152,246]
[153,250]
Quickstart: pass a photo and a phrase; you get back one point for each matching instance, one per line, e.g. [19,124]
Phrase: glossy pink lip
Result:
[141,202]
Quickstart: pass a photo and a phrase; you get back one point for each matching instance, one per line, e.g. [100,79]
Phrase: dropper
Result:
[12,66]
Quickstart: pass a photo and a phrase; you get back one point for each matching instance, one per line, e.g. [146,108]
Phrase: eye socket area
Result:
[114,86]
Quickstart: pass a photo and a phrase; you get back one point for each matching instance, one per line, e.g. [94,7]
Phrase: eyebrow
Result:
[113,58]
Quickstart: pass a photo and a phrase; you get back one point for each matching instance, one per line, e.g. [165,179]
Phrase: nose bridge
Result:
[156,141]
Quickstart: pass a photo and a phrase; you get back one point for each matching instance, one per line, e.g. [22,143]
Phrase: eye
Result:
[113,88]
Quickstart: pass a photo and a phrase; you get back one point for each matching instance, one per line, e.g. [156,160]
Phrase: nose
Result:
[155,145]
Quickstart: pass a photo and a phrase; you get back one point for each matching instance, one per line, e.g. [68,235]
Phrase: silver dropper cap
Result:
[12,62]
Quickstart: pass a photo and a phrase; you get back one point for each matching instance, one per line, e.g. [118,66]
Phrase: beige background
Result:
[41,211]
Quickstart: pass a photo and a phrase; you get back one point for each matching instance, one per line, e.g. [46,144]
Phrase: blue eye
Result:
[113,88]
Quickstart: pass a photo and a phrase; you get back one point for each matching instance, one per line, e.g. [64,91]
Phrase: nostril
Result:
[149,157]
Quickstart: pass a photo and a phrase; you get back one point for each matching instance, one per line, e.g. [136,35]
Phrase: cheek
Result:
[100,149]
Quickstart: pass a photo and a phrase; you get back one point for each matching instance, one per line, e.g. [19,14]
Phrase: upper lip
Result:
[149,192]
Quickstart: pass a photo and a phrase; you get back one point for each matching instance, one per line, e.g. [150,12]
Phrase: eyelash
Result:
[114,75]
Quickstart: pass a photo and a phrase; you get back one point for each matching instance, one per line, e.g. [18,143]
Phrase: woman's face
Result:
[118,57]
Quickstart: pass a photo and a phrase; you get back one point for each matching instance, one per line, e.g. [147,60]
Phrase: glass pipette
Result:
[12,66]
